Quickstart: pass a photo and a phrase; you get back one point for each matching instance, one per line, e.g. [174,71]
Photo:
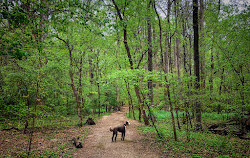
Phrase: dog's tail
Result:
[110,129]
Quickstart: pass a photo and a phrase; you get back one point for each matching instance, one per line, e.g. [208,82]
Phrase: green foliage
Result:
[38,39]
[206,144]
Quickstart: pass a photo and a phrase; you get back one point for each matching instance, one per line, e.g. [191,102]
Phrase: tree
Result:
[196,62]
[125,41]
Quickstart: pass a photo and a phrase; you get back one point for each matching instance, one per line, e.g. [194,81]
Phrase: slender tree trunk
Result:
[98,84]
[130,99]
[153,122]
[161,50]
[144,116]
[184,47]
[80,85]
[91,75]
[196,61]
[150,52]
[37,102]
[167,59]
[177,118]
[202,53]
[220,89]
[167,93]
[177,55]
[212,72]
[72,81]
[177,41]
[99,102]
[190,58]
[146,122]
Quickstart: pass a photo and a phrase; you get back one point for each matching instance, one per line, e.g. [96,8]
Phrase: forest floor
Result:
[56,140]
[98,143]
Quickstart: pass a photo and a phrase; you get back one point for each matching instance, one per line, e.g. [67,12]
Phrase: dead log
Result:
[219,131]
[12,128]
[89,121]
[213,126]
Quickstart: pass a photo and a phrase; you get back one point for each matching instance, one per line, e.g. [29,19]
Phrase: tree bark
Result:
[196,61]
[98,84]
[80,84]
[212,72]
[202,53]
[150,52]
[177,42]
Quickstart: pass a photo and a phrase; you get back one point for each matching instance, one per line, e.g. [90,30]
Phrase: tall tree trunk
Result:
[202,53]
[184,46]
[125,41]
[168,58]
[211,72]
[196,62]
[91,75]
[167,93]
[220,89]
[72,81]
[150,52]
[81,100]
[190,57]
[161,50]
[74,89]
[98,84]
[99,100]
[177,41]
[144,116]
[165,69]
[177,56]
[37,102]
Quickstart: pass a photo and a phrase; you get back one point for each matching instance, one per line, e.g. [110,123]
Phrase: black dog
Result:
[121,129]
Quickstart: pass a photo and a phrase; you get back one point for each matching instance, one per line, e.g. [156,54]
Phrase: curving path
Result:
[98,143]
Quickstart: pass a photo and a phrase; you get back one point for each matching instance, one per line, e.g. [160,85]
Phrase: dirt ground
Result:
[98,143]
[96,140]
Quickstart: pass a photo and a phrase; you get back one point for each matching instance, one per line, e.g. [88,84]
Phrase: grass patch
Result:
[199,144]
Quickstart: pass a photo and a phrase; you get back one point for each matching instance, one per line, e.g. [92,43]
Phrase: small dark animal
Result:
[76,142]
[121,129]
[90,121]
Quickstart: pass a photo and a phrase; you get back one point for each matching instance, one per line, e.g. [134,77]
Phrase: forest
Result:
[180,67]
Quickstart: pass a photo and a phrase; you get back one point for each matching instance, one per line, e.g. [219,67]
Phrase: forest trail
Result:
[98,143]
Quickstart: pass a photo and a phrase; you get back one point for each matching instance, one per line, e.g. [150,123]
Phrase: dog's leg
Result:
[124,135]
[115,136]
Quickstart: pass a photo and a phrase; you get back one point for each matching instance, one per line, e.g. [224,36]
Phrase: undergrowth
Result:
[193,143]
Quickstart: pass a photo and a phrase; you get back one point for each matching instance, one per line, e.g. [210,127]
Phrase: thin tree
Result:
[165,68]
[125,41]
[70,49]
[150,52]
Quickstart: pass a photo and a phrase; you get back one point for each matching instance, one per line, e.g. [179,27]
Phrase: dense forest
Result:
[181,66]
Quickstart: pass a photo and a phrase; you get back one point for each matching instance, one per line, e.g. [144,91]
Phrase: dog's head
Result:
[127,123]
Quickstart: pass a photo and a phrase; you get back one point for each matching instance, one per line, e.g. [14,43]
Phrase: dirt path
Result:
[98,143]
